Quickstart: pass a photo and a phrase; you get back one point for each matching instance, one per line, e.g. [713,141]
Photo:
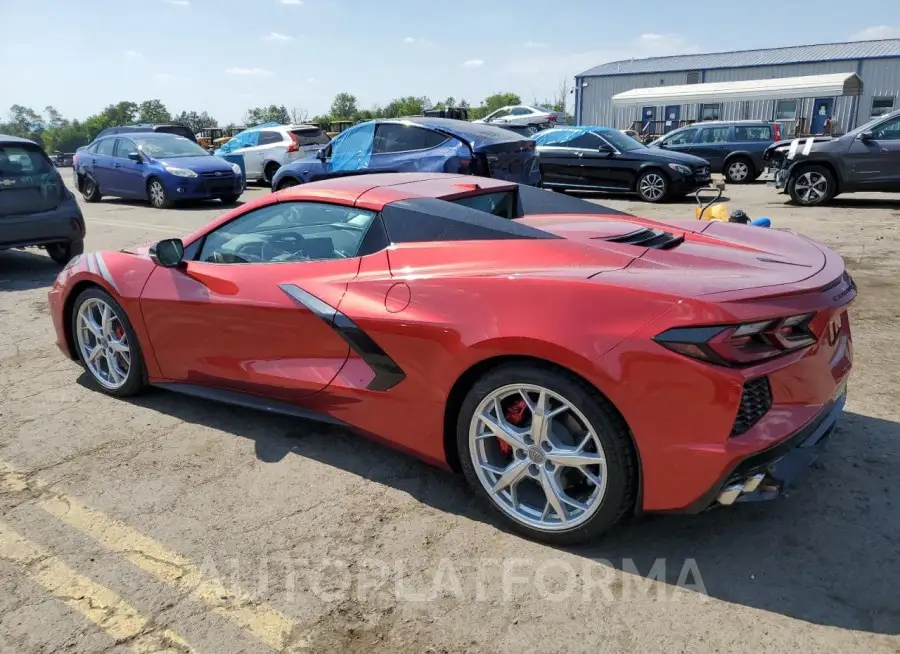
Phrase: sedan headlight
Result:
[236,169]
[180,172]
[678,168]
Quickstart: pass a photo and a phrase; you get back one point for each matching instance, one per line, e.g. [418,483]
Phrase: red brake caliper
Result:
[515,415]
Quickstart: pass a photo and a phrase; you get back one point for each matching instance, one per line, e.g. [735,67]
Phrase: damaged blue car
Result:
[419,144]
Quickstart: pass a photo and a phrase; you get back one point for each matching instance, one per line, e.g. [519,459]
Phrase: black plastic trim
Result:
[248,401]
[387,373]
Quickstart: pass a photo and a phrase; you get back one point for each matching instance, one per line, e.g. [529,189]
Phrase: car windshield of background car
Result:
[621,142]
[169,147]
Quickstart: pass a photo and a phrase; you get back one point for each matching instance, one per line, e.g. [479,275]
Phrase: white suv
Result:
[524,115]
[268,147]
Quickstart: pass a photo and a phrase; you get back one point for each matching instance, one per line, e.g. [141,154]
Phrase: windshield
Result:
[168,146]
[869,125]
[621,142]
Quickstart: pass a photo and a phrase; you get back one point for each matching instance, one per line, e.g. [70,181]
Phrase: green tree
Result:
[195,121]
[408,106]
[344,107]
[259,115]
[153,111]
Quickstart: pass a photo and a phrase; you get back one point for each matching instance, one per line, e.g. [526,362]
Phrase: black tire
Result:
[89,190]
[620,494]
[157,195]
[287,182]
[63,253]
[269,172]
[135,380]
[229,199]
[740,170]
[652,186]
[819,178]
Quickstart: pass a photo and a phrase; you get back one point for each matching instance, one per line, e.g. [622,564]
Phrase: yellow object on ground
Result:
[715,212]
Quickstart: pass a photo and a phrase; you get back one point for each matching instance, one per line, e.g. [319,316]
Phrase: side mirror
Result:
[135,156]
[168,253]
[320,154]
[867,136]
[607,150]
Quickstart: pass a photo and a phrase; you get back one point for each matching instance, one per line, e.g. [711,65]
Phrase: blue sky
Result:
[224,56]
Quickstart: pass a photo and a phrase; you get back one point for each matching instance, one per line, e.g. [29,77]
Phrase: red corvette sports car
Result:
[577,364]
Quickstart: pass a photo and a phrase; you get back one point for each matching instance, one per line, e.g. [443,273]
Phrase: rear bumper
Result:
[64,224]
[770,473]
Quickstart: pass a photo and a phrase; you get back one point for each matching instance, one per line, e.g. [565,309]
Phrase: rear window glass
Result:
[311,136]
[753,133]
[21,160]
[502,204]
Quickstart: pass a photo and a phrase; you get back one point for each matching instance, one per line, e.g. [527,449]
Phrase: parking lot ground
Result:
[170,524]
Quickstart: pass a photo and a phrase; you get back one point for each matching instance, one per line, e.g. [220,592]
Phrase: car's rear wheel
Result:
[63,253]
[287,182]
[157,195]
[269,172]
[811,186]
[740,170]
[547,452]
[106,343]
[652,186]
[89,190]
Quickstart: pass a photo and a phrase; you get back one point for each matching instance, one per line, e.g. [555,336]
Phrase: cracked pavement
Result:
[171,524]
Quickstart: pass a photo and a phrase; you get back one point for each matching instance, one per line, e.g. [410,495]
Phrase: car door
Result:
[349,151]
[712,144]
[410,148]
[270,146]
[681,140]
[561,165]
[873,164]
[101,162]
[499,116]
[521,116]
[251,307]
[244,144]
[127,176]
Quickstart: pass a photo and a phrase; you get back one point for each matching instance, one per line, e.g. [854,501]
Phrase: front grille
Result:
[702,171]
[218,175]
[648,238]
[756,400]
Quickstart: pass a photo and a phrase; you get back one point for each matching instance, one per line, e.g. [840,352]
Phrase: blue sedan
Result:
[406,145]
[155,166]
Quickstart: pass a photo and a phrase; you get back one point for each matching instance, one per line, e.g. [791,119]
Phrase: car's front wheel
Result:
[652,186]
[269,172]
[547,452]
[287,182]
[812,186]
[740,170]
[156,193]
[106,343]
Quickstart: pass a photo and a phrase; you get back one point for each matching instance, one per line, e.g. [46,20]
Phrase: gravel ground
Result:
[172,524]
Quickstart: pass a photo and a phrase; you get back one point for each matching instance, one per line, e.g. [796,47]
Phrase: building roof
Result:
[743,58]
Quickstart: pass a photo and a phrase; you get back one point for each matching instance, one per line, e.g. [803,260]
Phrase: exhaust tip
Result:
[732,492]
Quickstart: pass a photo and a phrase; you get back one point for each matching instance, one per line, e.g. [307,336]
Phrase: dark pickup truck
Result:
[814,170]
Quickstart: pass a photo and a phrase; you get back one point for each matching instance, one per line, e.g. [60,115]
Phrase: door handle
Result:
[118,165]
[93,161]
[579,154]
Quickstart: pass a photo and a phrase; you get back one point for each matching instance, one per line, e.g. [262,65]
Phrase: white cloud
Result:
[178,3]
[875,33]
[409,39]
[569,64]
[535,44]
[132,54]
[275,36]
[292,2]
[249,71]
[473,63]
[413,39]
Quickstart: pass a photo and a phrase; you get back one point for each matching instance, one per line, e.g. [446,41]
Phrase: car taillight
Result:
[744,344]
[551,118]
[777,132]
[295,143]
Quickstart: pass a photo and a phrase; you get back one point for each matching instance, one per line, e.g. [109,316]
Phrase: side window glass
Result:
[404,138]
[681,138]
[587,141]
[889,131]
[289,232]
[714,135]
[124,147]
[753,133]
[352,148]
[268,137]
[105,147]
[520,111]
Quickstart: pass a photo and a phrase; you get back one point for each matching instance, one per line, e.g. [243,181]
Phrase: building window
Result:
[693,78]
[786,110]
[710,111]
[881,106]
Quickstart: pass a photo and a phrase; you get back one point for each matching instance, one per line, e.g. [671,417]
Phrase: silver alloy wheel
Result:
[103,343]
[652,186]
[548,471]
[811,186]
[738,171]
[157,194]
[89,187]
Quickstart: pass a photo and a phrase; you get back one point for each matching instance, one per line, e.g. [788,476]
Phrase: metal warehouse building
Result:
[810,89]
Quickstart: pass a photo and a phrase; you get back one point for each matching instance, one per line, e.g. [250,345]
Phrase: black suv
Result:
[36,208]
[733,148]
[178,130]
[815,169]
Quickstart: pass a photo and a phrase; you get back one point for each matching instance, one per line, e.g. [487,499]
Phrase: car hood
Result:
[802,146]
[199,164]
[699,257]
[668,156]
